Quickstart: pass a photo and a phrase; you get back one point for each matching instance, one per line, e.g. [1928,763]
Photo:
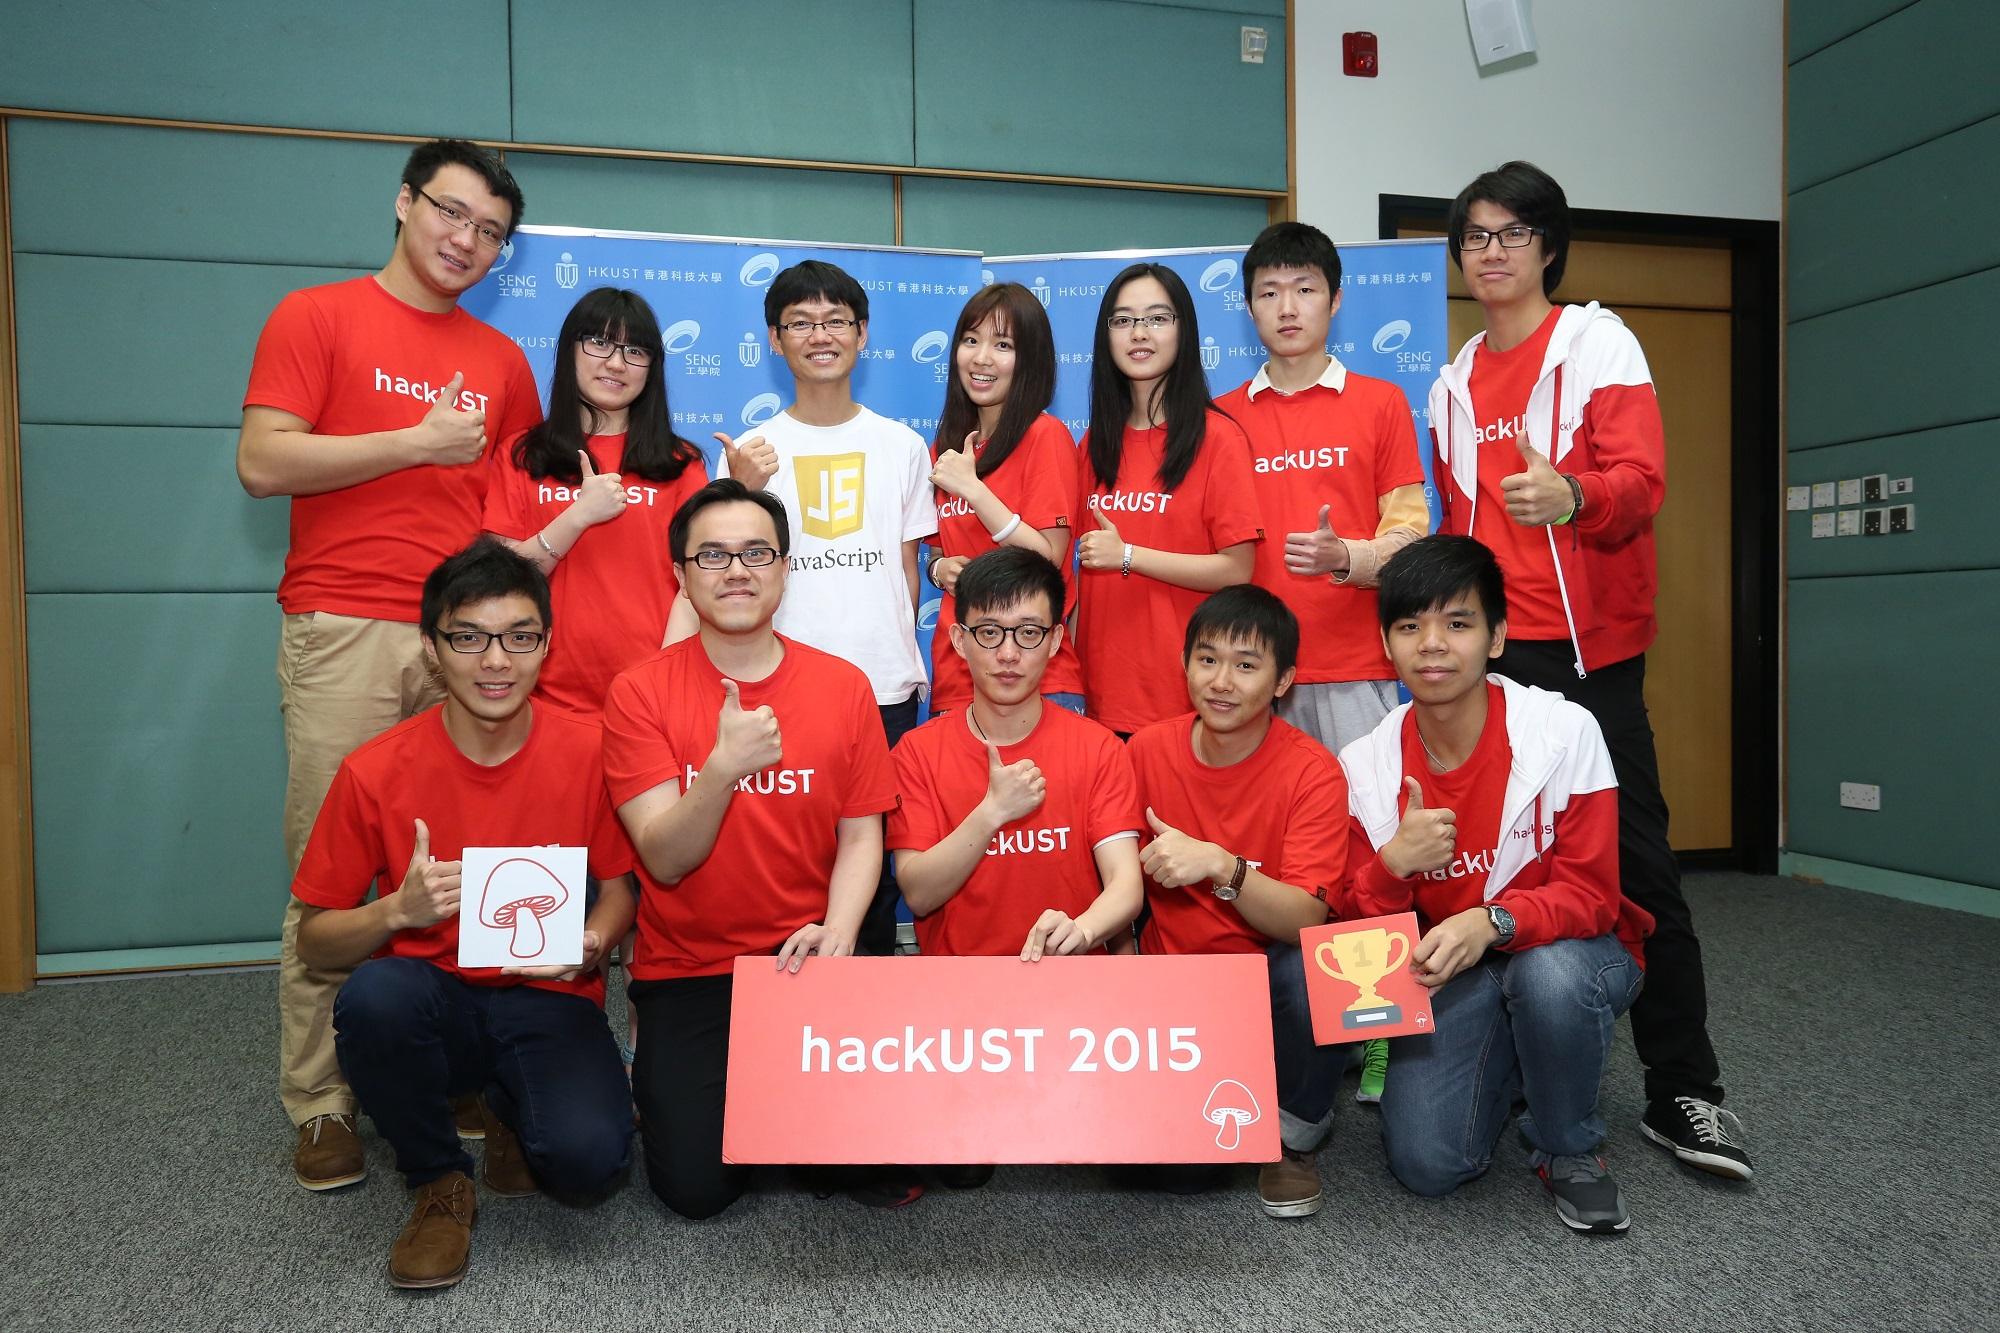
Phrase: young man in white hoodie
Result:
[1490,809]
[1550,450]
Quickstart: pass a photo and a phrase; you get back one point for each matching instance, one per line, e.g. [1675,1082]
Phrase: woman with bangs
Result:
[588,494]
[1168,514]
[1005,471]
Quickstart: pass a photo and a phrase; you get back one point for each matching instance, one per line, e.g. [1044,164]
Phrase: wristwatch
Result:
[1227,892]
[1503,922]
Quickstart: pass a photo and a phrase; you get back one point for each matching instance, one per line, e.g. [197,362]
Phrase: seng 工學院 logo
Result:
[759,269]
[680,336]
[760,409]
[1217,276]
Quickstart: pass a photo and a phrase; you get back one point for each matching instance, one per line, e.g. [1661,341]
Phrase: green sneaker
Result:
[1374,1071]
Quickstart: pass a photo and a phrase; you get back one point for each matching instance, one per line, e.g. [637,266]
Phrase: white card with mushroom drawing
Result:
[521,907]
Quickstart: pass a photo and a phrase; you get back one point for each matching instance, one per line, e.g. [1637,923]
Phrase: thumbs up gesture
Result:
[1174,860]
[753,462]
[746,740]
[1014,790]
[429,892]
[957,470]
[1538,495]
[1102,547]
[600,496]
[446,436]
[1320,551]
[1426,840]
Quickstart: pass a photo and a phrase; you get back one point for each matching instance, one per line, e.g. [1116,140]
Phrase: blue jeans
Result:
[1308,1074]
[1536,1023]
[411,1036]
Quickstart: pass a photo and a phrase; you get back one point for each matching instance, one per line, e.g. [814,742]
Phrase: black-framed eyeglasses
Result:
[602,348]
[477,640]
[1515,237]
[988,635]
[1154,322]
[489,235]
[802,328]
[753,557]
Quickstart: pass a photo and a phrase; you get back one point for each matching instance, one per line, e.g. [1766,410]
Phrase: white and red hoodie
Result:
[1556,865]
[1594,414]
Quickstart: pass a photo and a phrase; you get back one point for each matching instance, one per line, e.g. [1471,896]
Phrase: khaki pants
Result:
[341,681]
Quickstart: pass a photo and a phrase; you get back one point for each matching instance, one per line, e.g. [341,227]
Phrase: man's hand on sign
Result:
[813,939]
[1055,933]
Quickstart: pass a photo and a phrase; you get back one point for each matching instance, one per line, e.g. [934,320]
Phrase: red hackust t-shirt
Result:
[767,873]
[1474,792]
[1042,860]
[1499,385]
[550,793]
[350,359]
[1320,446]
[1284,810]
[1129,628]
[1038,482]
[612,590]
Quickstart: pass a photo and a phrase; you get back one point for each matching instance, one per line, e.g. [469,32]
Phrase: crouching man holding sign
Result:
[486,768]
[752,774]
[1490,808]
[1247,815]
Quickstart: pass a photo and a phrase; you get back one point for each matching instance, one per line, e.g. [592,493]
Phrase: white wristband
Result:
[1006,529]
[1125,569]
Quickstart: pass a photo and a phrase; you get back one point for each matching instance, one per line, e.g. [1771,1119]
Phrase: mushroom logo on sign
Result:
[518,894]
[1229,1108]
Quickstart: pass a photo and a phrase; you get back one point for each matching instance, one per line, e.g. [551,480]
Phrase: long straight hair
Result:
[652,450]
[1184,396]
[1019,317]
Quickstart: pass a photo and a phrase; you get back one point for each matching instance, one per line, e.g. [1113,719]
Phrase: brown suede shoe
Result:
[506,1173]
[436,1245]
[328,1154]
[468,1113]
[1289,1187]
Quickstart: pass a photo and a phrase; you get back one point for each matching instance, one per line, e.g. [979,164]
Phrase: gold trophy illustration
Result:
[1362,959]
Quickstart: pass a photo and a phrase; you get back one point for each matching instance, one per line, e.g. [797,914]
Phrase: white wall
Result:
[1656,106]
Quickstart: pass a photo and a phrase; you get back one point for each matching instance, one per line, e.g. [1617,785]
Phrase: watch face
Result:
[1226,892]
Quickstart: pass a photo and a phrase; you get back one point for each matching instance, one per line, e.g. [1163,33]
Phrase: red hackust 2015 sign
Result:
[977,1060]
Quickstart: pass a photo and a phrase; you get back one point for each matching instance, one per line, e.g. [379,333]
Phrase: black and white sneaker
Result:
[1700,1133]
[1586,1195]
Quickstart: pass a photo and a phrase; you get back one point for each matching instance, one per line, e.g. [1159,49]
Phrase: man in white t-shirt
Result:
[857,489]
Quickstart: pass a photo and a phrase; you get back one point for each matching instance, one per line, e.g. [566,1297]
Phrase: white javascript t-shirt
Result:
[855,493]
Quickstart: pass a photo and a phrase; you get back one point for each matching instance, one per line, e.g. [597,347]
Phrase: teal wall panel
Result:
[1866,707]
[1098,88]
[1894,365]
[1821,23]
[770,78]
[393,66]
[1249,9]
[1004,218]
[764,202]
[177,521]
[1956,472]
[141,193]
[1921,72]
[192,330]
[159,770]
[1944,191]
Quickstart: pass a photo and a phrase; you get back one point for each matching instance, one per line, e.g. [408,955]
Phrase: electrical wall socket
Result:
[1902,485]
[1822,523]
[1902,518]
[1850,491]
[1874,522]
[1798,498]
[1823,494]
[1850,523]
[1874,488]
[1860,796]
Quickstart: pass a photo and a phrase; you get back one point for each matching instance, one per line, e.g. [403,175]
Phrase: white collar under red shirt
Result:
[1333,377]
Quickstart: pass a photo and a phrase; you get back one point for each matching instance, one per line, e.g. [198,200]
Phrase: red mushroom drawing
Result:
[1230,1107]
[518,894]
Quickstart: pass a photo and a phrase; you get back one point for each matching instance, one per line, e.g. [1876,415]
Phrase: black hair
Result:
[1021,319]
[652,450]
[1184,397]
[1245,612]
[1531,195]
[726,490]
[811,279]
[1292,245]
[426,158]
[1006,575]
[486,569]
[1436,570]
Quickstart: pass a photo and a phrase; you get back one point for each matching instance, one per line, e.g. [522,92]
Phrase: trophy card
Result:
[521,907]
[1358,980]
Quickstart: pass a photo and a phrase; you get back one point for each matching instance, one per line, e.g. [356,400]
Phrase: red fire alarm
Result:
[1357,54]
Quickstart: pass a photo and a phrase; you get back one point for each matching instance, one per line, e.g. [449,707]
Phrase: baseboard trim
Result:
[173,958]
[1973,898]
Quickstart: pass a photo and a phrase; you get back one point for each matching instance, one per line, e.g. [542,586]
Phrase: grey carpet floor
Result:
[144,1183]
